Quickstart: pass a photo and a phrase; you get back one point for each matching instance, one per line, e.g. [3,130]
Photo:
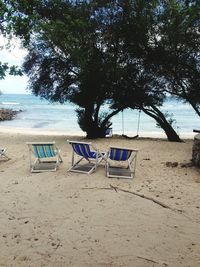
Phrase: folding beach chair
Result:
[121,162]
[83,151]
[44,156]
[109,132]
[3,154]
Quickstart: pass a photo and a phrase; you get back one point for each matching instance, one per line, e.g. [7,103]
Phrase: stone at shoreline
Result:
[8,114]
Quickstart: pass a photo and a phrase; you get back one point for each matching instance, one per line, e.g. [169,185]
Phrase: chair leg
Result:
[72,158]
[3,153]
[132,165]
[92,170]
[74,164]
[60,158]
[4,156]
[33,165]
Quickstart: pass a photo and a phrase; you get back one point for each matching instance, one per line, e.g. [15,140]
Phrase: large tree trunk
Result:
[91,123]
[95,132]
[99,130]
[156,114]
[195,107]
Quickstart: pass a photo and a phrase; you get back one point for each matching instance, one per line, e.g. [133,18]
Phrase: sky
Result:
[13,56]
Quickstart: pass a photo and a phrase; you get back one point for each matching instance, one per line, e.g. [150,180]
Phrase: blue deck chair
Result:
[3,154]
[121,162]
[83,151]
[46,156]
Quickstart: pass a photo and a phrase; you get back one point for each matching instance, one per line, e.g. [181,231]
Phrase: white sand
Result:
[67,219]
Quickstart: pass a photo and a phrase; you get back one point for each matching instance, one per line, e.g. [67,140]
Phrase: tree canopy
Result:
[134,53]
[175,54]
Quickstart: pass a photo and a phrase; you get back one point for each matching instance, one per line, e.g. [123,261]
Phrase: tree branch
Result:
[110,116]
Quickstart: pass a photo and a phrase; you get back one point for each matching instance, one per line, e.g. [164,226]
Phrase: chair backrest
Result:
[119,154]
[82,149]
[44,150]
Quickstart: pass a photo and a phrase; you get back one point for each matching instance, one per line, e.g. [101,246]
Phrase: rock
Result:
[171,164]
[196,150]
[7,114]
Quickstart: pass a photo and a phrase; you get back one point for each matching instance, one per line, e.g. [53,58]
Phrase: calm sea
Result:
[41,115]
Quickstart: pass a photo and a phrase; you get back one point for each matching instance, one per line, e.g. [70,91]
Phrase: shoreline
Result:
[52,132]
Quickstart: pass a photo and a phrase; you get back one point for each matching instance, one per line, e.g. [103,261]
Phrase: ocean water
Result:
[41,115]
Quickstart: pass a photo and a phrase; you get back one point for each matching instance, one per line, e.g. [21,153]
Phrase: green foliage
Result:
[175,55]
[130,52]
[66,60]
[10,70]
[3,69]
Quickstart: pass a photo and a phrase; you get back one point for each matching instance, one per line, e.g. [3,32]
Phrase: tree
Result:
[175,54]
[79,51]
[137,86]
[142,91]
[66,60]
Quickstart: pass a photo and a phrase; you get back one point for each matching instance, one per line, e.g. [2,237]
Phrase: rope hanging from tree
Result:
[138,126]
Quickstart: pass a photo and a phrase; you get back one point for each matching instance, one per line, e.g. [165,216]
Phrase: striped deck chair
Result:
[83,151]
[3,154]
[44,156]
[121,162]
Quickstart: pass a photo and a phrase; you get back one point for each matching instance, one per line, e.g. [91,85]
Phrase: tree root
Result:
[146,259]
[142,196]
[136,194]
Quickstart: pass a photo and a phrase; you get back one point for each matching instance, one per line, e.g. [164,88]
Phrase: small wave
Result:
[40,124]
[10,103]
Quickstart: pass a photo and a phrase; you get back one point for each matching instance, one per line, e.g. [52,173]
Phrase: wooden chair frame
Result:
[131,164]
[76,166]
[38,161]
[3,153]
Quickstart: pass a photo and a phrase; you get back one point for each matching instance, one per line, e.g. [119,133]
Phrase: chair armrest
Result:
[133,155]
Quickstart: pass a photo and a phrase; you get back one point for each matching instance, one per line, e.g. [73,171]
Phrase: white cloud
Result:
[13,56]
[14,85]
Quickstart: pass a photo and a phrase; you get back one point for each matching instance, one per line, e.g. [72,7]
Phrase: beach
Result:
[69,219]
[35,118]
